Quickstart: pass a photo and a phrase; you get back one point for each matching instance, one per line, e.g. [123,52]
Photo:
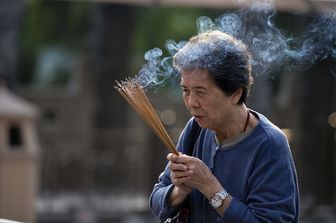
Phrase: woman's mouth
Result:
[198,117]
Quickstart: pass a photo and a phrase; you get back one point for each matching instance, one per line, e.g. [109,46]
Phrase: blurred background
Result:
[71,150]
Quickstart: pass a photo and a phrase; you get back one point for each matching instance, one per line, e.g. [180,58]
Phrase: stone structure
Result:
[19,158]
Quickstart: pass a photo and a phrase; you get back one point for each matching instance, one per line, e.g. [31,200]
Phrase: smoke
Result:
[254,27]
[318,41]
[157,71]
[271,49]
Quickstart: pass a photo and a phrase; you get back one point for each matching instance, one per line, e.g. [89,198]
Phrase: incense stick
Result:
[132,91]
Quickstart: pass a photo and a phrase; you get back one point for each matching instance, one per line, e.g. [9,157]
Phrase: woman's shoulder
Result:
[272,131]
[274,138]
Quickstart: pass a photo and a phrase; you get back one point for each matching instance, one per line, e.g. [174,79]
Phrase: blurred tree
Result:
[50,24]
[155,25]
[111,31]
[316,141]
[10,20]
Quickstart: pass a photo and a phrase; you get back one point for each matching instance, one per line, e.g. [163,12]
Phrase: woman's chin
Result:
[201,122]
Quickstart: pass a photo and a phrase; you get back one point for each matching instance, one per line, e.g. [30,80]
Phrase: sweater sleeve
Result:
[272,193]
[159,199]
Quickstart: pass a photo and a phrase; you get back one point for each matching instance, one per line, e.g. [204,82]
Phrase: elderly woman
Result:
[240,168]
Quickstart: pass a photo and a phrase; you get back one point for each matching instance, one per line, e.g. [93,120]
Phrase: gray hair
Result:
[226,58]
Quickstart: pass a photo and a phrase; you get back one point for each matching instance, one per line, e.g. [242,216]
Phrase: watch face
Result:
[216,201]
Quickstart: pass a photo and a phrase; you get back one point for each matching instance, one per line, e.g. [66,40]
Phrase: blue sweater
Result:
[258,172]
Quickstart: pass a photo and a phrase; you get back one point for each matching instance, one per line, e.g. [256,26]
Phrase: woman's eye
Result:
[201,93]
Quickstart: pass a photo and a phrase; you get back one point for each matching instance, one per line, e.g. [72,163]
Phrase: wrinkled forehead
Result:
[196,76]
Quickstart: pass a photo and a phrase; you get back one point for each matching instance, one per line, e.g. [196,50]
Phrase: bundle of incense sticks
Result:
[132,91]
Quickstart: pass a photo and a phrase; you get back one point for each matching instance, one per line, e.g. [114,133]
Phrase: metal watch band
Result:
[223,193]
[218,198]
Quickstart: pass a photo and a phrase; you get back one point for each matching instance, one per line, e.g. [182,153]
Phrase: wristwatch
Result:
[217,200]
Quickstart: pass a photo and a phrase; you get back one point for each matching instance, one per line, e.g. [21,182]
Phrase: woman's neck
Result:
[236,123]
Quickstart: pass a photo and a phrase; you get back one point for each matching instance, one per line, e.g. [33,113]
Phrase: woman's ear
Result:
[236,96]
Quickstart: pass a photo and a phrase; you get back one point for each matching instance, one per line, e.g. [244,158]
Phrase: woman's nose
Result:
[192,101]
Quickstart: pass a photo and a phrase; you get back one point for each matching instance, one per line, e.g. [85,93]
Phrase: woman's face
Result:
[210,106]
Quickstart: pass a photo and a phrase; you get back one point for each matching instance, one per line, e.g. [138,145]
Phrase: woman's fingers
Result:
[182,168]
[177,166]
[180,180]
[180,174]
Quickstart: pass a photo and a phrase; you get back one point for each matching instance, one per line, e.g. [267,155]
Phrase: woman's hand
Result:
[179,173]
[190,172]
